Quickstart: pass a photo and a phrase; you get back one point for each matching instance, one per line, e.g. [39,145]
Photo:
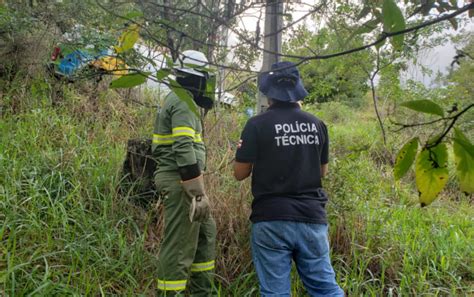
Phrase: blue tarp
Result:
[76,60]
[73,62]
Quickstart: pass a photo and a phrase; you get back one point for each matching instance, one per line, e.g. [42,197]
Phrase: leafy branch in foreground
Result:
[431,168]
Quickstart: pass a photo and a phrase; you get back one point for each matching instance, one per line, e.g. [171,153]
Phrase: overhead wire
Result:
[301,59]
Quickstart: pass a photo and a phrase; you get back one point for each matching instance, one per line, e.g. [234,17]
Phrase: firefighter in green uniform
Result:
[187,253]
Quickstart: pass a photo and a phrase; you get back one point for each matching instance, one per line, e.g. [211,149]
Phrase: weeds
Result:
[64,230]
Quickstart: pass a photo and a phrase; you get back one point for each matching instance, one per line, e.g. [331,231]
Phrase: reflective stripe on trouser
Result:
[205,266]
[169,285]
[184,243]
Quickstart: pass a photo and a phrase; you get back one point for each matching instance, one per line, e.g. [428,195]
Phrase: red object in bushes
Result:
[55,54]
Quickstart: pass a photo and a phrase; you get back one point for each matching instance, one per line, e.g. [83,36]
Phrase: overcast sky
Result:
[437,59]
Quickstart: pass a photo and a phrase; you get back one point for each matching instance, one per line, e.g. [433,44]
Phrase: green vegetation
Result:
[64,229]
[344,79]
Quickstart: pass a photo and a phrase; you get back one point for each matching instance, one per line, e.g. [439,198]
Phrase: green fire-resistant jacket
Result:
[177,138]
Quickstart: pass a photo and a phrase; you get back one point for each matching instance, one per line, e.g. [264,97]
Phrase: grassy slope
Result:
[64,230]
[383,242]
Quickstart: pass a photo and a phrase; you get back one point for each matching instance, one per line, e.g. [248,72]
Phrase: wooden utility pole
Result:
[272,42]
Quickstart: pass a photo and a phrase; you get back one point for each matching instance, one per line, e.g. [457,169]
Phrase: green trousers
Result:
[187,252]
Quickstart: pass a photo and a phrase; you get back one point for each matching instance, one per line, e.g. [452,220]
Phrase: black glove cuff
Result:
[189,172]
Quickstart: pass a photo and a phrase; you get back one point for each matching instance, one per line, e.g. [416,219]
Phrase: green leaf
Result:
[169,62]
[426,106]
[431,172]
[211,88]
[134,14]
[364,12]
[162,73]
[463,141]
[464,159]
[207,69]
[128,38]
[129,80]
[366,27]
[393,21]
[405,158]
[184,95]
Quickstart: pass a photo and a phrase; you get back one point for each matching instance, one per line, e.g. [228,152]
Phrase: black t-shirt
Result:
[286,147]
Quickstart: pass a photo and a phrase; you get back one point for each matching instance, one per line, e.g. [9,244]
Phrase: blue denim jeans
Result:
[276,243]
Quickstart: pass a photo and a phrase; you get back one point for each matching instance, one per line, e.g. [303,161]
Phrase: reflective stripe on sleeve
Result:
[204,266]
[167,139]
[198,138]
[175,285]
[184,131]
[163,139]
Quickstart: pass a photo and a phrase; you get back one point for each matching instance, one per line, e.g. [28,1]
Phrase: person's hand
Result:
[200,207]
[239,144]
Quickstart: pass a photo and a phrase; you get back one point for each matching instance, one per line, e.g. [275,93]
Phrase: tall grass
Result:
[65,230]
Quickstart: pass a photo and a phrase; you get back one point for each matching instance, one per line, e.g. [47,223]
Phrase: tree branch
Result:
[451,125]
[405,126]
[374,98]
[386,35]
[302,59]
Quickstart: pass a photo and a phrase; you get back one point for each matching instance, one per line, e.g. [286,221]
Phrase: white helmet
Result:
[190,58]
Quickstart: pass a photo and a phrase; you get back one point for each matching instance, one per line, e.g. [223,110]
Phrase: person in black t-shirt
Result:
[286,151]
